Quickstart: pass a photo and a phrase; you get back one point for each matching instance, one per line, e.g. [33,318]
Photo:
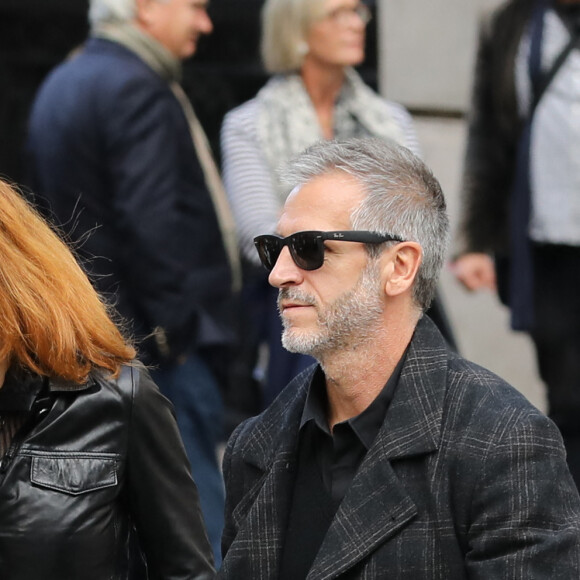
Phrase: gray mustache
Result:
[296,295]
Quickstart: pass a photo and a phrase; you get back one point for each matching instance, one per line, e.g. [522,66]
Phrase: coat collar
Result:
[147,48]
[412,424]
[279,424]
[412,427]
[57,385]
[23,386]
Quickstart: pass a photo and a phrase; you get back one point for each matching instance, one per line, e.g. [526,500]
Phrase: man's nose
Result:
[285,271]
[205,25]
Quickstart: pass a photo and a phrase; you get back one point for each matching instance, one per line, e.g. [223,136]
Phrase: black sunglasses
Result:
[307,248]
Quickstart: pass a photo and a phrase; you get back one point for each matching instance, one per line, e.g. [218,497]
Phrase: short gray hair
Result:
[285,25]
[107,11]
[403,198]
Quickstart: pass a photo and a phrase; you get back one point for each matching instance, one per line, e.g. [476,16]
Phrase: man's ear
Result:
[400,267]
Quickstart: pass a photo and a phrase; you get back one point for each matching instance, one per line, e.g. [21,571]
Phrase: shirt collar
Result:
[367,424]
[316,402]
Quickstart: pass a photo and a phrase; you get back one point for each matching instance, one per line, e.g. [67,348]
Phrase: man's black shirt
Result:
[327,464]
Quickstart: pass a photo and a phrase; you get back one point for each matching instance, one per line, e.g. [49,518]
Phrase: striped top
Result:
[247,177]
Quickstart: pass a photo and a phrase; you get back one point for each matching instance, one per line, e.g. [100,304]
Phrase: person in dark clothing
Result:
[394,457]
[118,159]
[520,230]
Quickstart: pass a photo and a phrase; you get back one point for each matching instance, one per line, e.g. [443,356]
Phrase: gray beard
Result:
[348,323]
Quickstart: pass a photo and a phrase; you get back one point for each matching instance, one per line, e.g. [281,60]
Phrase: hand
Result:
[475,271]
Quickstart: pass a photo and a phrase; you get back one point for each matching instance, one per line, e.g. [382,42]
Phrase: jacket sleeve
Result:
[488,158]
[525,510]
[172,252]
[162,496]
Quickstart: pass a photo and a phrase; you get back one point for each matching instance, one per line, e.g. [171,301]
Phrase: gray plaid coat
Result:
[466,479]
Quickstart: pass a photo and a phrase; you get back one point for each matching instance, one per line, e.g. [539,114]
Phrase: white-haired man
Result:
[115,149]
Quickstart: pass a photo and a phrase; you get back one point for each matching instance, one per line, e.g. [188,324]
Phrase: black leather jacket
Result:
[104,456]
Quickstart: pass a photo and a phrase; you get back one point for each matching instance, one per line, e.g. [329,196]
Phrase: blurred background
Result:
[420,53]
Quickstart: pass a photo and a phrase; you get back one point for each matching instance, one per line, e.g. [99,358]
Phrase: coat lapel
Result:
[271,449]
[377,506]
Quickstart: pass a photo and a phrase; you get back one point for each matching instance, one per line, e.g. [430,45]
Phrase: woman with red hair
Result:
[89,448]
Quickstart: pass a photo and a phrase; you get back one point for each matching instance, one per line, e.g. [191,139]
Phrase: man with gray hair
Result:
[119,160]
[394,457]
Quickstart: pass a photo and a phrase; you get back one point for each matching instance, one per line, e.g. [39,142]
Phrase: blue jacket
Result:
[112,161]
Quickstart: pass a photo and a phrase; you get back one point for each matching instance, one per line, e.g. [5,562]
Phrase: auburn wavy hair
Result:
[52,321]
